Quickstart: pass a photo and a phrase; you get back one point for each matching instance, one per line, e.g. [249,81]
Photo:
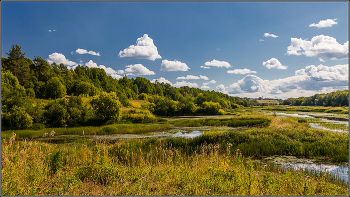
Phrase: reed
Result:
[93,168]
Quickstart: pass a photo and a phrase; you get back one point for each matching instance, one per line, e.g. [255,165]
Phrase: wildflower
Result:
[52,133]
[238,150]
[45,134]
[229,144]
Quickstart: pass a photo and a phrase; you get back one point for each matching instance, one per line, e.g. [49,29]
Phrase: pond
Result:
[316,125]
[338,171]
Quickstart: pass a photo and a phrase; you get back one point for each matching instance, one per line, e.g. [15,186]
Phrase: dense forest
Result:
[334,99]
[36,94]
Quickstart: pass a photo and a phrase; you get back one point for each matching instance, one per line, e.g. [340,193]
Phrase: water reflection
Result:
[188,135]
[316,125]
[339,171]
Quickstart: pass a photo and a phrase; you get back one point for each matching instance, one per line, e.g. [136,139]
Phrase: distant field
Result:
[268,101]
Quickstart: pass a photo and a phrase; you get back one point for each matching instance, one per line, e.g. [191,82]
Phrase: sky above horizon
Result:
[245,49]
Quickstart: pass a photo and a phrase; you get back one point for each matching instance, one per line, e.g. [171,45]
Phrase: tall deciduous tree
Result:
[107,106]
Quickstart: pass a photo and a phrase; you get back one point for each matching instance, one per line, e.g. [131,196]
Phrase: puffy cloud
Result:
[205,67]
[120,72]
[144,49]
[270,35]
[221,88]
[204,77]
[250,83]
[311,79]
[161,80]
[91,64]
[60,58]
[52,30]
[108,70]
[83,51]
[324,23]
[206,84]
[185,83]
[217,63]
[173,66]
[188,77]
[273,63]
[323,47]
[241,71]
[116,76]
[138,69]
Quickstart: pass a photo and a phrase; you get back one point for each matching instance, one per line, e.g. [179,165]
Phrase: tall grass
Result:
[256,120]
[108,129]
[93,168]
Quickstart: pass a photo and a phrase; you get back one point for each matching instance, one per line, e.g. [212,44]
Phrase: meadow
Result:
[219,162]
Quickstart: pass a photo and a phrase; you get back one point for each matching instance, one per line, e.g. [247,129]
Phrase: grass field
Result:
[219,162]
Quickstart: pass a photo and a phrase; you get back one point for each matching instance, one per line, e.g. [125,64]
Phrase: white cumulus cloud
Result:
[273,63]
[311,79]
[60,58]
[217,63]
[270,35]
[221,88]
[205,85]
[84,51]
[173,66]
[203,77]
[161,80]
[144,49]
[108,70]
[241,71]
[188,77]
[323,47]
[185,83]
[324,23]
[205,67]
[138,69]
[116,76]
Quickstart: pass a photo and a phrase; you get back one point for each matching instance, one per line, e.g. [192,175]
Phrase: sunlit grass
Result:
[93,168]
[108,129]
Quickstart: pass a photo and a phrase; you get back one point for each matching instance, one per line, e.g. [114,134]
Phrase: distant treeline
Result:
[334,99]
[36,93]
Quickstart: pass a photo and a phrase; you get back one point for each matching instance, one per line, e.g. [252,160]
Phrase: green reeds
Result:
[108,129]
[257,120]
[91,168]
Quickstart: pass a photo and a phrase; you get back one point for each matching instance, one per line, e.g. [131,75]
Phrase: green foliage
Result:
[12,93]
[86,88]
[56,162]
[107,106]
[334,99]
[55,89]
[17,118]
[56,114]
[211,107]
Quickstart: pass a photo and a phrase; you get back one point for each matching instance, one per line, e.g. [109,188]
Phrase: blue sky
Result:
[246,49]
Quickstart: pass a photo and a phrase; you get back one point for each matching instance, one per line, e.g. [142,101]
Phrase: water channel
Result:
[340,171]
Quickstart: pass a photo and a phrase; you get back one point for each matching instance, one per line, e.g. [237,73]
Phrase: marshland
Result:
[85,133]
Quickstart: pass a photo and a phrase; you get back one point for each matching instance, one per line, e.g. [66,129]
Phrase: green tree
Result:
[18,64]
[211,107]
[56,114]
[17,118]
[107,106]
[55,89]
